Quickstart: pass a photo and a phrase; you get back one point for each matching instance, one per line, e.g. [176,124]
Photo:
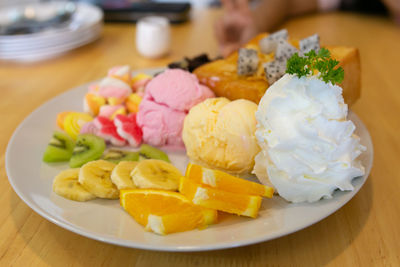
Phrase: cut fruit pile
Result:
[221,191]
[110,108]
[104,179]
[147,191]
[200,192]
[88,147]
[151,190]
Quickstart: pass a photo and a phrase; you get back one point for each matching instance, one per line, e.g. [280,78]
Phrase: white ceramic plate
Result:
[85,17]
[27,48]
[106,221]
[45,53]
[85,27]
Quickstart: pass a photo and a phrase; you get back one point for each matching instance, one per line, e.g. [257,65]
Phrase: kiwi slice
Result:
[88,147]
[115,155]
[59,148]
[149,152]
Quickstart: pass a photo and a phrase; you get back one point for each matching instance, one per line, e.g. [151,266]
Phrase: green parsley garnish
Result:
[321,62]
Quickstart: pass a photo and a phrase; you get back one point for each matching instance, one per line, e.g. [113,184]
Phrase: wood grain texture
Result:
[365,232]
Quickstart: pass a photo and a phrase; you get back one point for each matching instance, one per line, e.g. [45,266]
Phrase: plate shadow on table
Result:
[294,249]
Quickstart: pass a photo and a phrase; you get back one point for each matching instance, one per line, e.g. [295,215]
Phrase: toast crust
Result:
[221,75]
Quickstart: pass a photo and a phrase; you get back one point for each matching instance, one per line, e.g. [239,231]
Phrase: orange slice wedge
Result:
[164,212]
[205,196]
[226,182]
[61,117]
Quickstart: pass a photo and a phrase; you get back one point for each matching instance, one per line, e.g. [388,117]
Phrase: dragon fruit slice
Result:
[309,43]
[284,50]
[247,61]
[128,129]
[108,131]
[274,70]
[270,43]
[281,34]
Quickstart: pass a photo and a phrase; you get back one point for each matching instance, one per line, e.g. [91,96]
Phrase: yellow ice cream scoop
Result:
[220,134]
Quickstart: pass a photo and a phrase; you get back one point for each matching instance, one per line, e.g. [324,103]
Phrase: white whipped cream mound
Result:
[308,147]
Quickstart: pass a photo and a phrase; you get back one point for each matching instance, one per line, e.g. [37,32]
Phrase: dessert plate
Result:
[106,221]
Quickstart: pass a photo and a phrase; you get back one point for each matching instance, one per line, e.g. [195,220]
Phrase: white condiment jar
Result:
[153,36]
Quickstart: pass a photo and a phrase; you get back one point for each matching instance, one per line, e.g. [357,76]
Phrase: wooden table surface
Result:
[365,232]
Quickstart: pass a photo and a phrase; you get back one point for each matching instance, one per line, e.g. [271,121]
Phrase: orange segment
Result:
[208,197]
[61,117]
[226,182]
[164,212]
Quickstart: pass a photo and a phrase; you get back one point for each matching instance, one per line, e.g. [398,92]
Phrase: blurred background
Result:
[33,30]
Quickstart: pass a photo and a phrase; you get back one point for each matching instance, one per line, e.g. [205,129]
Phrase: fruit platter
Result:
[160,159]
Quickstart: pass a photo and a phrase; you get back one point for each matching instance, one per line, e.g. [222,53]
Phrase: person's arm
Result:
[269,14]
[240,23]
[394,8]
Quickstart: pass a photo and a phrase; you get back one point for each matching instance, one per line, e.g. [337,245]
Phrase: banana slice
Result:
[95,177]
[121,175]
[156,174]
[66,185]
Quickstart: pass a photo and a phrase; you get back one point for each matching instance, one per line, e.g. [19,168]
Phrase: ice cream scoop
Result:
[178,89]
[168,98]
[219,134]
[161,125]
[309,148]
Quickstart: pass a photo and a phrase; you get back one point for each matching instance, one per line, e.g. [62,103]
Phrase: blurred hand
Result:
[394,9]
[235,27]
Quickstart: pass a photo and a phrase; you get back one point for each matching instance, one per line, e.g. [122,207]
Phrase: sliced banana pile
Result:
[104,179]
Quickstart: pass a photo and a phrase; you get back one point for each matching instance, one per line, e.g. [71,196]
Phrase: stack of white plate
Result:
[84,27]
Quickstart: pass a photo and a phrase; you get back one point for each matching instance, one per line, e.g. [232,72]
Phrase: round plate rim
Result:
[155,247]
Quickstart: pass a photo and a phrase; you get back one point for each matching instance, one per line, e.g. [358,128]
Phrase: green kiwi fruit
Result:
[149,152]
[116,156]
[88,147]
[59,148]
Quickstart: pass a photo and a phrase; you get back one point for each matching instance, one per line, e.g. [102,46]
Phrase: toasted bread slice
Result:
[221,75]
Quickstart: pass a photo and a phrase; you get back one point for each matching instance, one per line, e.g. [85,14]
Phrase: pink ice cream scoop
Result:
[177,89]
[161,125]
[168,98]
